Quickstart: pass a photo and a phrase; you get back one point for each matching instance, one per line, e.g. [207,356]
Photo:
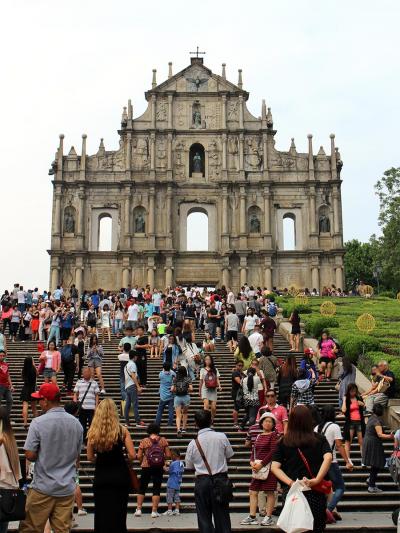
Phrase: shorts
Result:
[326,360]
[355,425]
[96,362]
[154,474]
[173,496]
[231,335]
[49,373]
[182,401]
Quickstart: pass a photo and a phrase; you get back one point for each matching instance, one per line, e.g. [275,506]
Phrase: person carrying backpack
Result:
[69,356]
[209,385]
[152,454]
[182,387]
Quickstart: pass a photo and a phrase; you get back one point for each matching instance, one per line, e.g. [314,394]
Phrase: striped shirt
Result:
[90,399]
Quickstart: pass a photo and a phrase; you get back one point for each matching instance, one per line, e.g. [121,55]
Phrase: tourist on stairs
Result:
[182,387]
[326,355]
[166,378]
[29,377]
[286,376]
[86,392]
[237,391]
[209,385]
[346,376]
[295,332]
[353,410]
[279,412]
[303,389]
[308,364]
[305,455]
[268,365]
[263,480]
[244,352]
[107,440]
[232,325]
[333,435]
[51,359]
[132,389]
[250,397]
[95,360]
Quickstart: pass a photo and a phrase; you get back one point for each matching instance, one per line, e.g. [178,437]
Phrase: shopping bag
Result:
[296,515]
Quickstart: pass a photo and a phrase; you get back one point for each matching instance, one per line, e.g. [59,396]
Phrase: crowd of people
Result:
[273,405]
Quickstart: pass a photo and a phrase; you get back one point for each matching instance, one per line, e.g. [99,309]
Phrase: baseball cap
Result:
[48,391]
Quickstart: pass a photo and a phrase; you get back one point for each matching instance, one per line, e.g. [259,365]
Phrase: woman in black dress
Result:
[107,440]
[29,376]
[296,330]
[287,375]
[373,454]
[288,464]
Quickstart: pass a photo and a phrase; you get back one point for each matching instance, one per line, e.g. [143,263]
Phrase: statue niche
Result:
[196,115]
[196,160]
[254,220]
[69,219]
[324,221]
[139,221]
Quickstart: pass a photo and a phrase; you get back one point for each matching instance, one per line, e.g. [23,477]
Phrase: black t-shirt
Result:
[190,311]
[390,393]
[235,385]
[168,355]
[141,341]
[291,462]
[214,312]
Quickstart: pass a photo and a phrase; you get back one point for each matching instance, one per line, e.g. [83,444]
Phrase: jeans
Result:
[54,332]
[122,365]
[250,415]
[21,307]
[5,394]
[131,398]
[336,477]
[161,406]
[85,418]
[117,325]
[212,329]
[208,509]
[370,401]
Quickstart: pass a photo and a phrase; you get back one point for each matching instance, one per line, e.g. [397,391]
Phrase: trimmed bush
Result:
[353,345]
[301,309]
[387,294]
[315,326]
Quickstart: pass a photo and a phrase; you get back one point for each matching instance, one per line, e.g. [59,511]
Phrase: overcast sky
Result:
[69,67]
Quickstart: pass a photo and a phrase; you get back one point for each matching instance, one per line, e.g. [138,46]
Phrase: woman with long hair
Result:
[107,440]
[118,318]
[29,376]
[303,454]
[295,332]
[251,399]
[353,410]
[95,360]
[10,470]
[182,387]
[287,375]
[51,358]
[209,385]
[244,352]
[261,455]
[326,354]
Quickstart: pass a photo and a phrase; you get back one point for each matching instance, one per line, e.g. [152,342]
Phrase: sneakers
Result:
[154,514]
[267,521]
[103,391]
[82,512]
[249,521]
[175,512]
[374,490]
[140,424]
[138,512]
[168,513]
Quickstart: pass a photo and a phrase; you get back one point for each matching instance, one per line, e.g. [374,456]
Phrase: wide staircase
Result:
[356,498]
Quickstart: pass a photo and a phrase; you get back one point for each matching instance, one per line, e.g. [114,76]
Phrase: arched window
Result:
[105,233]
[289,232]
[197,231]
[196,159]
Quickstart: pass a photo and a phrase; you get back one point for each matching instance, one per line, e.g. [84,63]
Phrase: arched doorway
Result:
[197,231]
[105,233]
[196,160]
[289,232]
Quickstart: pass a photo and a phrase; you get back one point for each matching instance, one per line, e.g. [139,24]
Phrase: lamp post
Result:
[376,273]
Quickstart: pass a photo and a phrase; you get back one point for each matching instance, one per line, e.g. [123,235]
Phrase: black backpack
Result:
[182,387]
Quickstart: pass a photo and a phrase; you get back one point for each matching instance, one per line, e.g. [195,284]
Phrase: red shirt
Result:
[280,413]
[4,375]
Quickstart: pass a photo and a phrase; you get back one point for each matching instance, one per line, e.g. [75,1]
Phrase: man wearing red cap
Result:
[54,444]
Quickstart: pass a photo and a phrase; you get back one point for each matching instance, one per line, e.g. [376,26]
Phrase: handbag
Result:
[263,473]
[222,485]
[383,386]
[324,486]
[12,501]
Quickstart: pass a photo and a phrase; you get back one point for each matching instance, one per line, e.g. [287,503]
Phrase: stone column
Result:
[241,151]
[265,156]
[339,277]
[168,214]
[57,213]
[243,219]
[224,210]
[153,111]
[125,277]
[224,139]
[310,158]
[268,277]
[223,111]
[333,157]
[170,105]
[79,280]
[225,277]
[336,215]
[128,156]
[313,226]
[168,277]
[151,211]
[241,122]
[150,277]
[127,212]
[152,151]
[267,211]
[315,277]
[169,151]
[242,275]
[54,278]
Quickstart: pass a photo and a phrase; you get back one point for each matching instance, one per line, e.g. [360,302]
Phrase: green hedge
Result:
[387,294]
[301,309]
[353,345]
[315,326]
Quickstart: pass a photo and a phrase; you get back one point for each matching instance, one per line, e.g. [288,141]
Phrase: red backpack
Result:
[211,380]
[155,454]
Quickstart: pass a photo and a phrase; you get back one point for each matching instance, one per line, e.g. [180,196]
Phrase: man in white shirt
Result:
[21,299]
[132,315]
[134,292]
[256,341]
[230,299]
[132,389]
[156,300]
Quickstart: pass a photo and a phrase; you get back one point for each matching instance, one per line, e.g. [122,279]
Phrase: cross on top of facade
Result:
[197,52]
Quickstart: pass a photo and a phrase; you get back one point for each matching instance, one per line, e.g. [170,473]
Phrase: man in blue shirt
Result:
[166,396]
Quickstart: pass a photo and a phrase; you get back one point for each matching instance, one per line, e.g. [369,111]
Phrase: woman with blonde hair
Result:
[107,440]
[10,470]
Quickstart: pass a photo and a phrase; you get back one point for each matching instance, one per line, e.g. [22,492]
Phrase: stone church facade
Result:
[196,148]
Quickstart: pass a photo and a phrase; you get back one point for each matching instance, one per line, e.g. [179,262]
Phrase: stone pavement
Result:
[187,523]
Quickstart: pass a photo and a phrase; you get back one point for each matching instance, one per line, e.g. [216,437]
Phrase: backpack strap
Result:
[201,452]
[323,432]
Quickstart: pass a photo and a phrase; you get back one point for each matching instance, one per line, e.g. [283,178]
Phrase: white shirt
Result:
[230,298]
[157,299]
[134,293]
[21,297]
[332,433]
[256,341]
[130,369]
[250,322]
[133,312]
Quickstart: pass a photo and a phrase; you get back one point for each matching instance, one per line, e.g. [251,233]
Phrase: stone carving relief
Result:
[197,80]
[140,153]
[302,163]
[212,115]
[233,111]
[119,159]
[252,150]
[181,115]
[214,160]
[140,224]
[69,219]
[233,152]
[180,158]
[162,110]
[196,115]
[161,154]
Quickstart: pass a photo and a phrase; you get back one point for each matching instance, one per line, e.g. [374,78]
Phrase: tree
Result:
[359,262]
[388,191]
